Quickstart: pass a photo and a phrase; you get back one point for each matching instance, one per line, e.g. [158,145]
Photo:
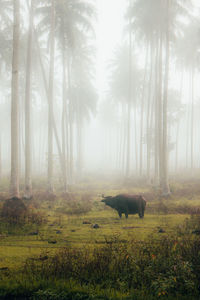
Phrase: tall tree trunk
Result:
[79,126]
[178,127]
[71,148]
[64,114]
[129,100]
[50,97]
[148,119]
[118,146]
[28,131]
[142,111]
[177,142]
[160,111]
[151,128]
[128,141]
[120,143]
[136,142]
[187,137]
[165,183]
[47,93]
[14,180]
[124,140]
[156,112]
[0,158]
[192,120]
[70,133]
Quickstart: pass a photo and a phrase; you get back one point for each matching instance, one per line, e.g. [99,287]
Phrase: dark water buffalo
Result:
[127,204]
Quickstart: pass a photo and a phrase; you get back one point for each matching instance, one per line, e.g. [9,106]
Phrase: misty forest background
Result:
[147,118]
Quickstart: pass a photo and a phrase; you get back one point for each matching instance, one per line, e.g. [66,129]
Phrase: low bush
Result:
[15,211]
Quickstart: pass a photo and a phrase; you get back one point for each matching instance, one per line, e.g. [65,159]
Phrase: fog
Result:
[98,88]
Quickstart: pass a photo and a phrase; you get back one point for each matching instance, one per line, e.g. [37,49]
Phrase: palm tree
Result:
[156,23]
[83,96]
[6,32]
[72,32]
[50,98]
[28,132]
[14,182]
[72,19]
[164,180]
[187,56]
[125,92]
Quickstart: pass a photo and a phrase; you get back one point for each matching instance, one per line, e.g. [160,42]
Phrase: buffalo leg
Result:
[126,215]
[120,214]
[141,215]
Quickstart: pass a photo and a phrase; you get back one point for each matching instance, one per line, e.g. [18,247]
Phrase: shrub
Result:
[14,210]
[17,217]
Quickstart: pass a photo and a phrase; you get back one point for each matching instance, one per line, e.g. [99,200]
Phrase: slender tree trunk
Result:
[148,119]
[67,142]
[71,147]
[71,138]
[28,131]
[142,111]
[120,143]
[151,128]
[136,142]
[129,102]
[165,183]
[124,140]
[187,137]
[118,146]
[79,145]
[156,141]
[192,119]
[128,142]
[178,128]
[50,97]
[0,158]
[14,180]
[64,125]
[40,151]
[177,142]
[160,112]
[47,93]
[21,137]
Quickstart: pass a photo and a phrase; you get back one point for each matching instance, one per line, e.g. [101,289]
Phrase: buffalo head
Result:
[108,201]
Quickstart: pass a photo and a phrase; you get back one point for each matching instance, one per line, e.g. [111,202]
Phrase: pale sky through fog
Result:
[109,32]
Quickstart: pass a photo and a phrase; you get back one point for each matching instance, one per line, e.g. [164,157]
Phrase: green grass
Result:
[14,249]
[17,245]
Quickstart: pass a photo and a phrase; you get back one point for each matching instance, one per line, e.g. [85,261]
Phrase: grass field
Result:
[66,227]
[72,231]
